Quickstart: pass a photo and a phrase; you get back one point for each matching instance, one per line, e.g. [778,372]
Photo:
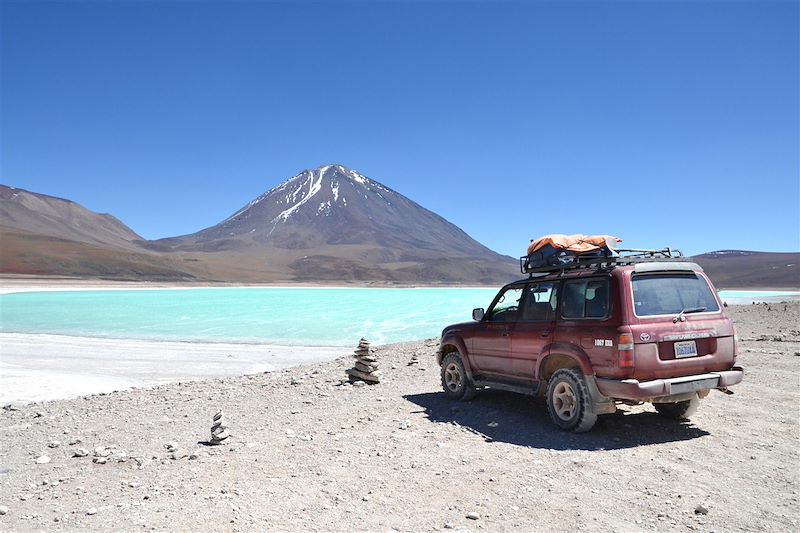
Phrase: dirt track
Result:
[307,453]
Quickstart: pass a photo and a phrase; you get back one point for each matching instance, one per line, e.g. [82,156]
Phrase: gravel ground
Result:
[308,453]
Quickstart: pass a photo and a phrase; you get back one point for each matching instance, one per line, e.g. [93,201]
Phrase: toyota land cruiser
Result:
[648,327]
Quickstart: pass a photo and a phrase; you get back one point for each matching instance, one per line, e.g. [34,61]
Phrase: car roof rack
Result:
[599,259]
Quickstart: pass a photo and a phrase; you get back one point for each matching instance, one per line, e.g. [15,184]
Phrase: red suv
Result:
[647,328]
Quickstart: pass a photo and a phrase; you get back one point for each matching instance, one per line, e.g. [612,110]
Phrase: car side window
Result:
[540,302]
[586,298]
[507,307]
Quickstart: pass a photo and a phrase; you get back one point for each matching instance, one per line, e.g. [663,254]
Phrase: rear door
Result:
[533,332]
[586,323]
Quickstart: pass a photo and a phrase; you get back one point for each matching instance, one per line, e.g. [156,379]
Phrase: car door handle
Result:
[546,333]
[505,333]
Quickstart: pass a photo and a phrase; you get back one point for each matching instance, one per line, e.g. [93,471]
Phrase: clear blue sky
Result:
[665,123]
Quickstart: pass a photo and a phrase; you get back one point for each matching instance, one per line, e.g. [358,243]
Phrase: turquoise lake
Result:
[296,316]
[324,317]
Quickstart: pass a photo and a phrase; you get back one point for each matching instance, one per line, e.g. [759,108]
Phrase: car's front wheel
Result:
[455,382]
[568,401]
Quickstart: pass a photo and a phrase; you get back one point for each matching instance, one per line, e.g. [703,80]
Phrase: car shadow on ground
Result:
[500,416]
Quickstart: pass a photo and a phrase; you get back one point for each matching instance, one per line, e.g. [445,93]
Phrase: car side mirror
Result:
[477,314]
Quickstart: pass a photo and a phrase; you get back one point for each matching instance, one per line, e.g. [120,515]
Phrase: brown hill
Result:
[46,235]
[740,269]
[56,217]
[23,252]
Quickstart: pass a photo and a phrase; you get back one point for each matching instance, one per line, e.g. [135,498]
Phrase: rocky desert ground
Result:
[307,453]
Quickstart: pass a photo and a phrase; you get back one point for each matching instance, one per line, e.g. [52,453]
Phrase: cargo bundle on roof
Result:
[558,250]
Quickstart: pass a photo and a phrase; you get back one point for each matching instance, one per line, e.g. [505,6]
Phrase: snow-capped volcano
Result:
[321,192]
[333,218]
[301,189]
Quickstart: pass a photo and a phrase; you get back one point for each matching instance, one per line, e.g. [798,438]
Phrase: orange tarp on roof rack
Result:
[575,243]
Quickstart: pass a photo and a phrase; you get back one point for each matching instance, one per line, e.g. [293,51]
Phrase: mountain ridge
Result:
[745,268]
[324,225]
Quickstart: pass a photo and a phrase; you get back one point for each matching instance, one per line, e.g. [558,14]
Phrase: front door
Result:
[491,343]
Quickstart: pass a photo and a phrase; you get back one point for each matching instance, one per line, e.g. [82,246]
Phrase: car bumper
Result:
[632,389]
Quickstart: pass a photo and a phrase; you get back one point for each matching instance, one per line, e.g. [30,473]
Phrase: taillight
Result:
[735,344]
[625,350]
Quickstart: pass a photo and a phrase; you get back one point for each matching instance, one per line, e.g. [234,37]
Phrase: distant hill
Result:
[741,269]
[333,223]
[63,219]
[46,235]
[24,252]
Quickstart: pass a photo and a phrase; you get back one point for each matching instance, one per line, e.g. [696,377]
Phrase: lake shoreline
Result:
[17,284]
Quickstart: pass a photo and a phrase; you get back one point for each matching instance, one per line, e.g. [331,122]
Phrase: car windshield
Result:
[669,294]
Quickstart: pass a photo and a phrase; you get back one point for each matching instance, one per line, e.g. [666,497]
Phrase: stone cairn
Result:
[414,359]
[219,430]
[366,368]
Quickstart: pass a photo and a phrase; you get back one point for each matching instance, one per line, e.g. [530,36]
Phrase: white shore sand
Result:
[16,285]
[48,367]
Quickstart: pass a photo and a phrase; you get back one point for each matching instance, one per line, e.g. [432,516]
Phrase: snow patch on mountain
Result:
[730,252]
[314,184]
[293,193]
[324,207]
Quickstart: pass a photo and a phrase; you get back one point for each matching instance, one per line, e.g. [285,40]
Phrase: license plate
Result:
[685,349]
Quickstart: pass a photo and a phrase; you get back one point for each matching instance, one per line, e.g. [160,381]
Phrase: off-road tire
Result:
[678,410]
[455,381]
[568,401]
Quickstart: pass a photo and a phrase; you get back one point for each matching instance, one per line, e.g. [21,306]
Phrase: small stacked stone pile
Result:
[172,450]
[366,368]
[414,359]
[219,430]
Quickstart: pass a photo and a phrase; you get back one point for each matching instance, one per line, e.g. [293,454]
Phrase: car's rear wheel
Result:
[568,401]
[678,410]
[455,381]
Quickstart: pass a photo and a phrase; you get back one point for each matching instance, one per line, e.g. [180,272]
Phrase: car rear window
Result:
[669,294]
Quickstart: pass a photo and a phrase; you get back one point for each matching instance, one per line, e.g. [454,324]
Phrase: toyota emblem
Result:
[645,337]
